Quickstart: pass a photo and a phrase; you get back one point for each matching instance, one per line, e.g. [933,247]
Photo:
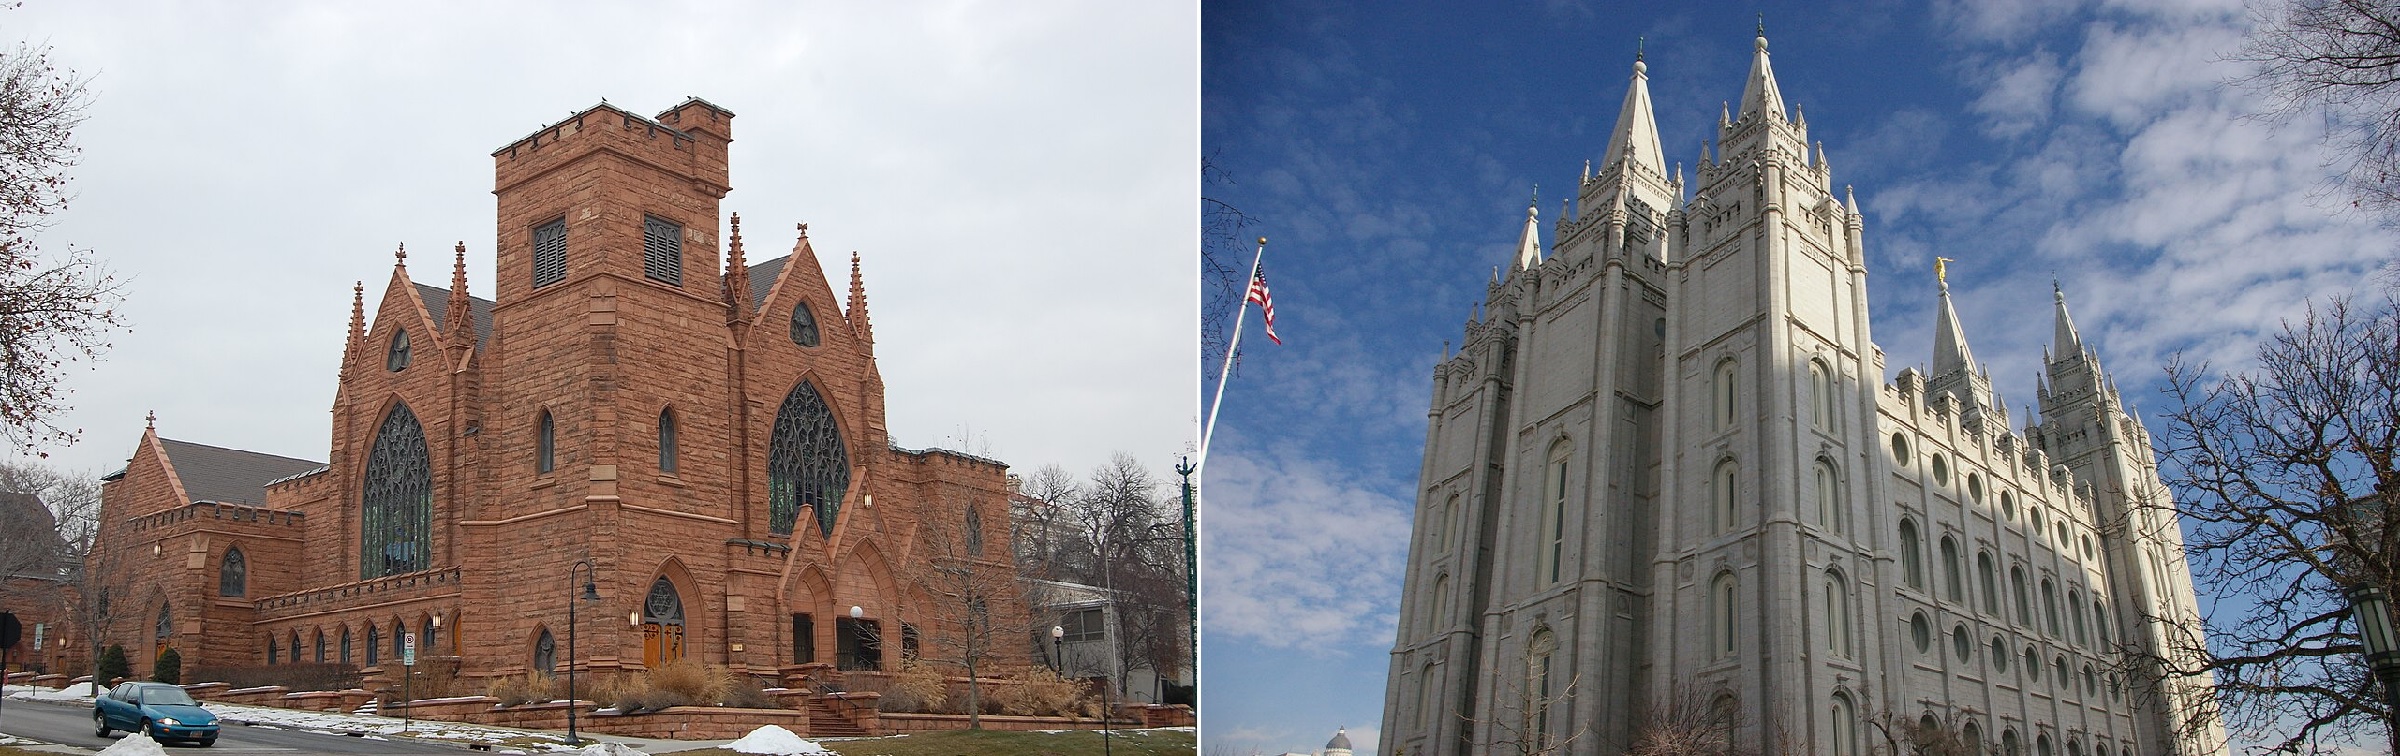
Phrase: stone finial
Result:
[358,322]
[803,230]
[858,304]
[737,276]
[400,256]
[150,422]
[458,316]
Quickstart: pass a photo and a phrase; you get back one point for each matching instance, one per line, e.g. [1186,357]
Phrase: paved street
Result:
[71,724]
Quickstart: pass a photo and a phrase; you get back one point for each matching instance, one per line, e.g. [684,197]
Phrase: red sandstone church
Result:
[714,444]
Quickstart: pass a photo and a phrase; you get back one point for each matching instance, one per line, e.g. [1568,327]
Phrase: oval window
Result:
[1999,655]
[1975,487]
[804,325]
[1900,448]
[1960,644]
[1941,470]
[2008,506]
[1921,630]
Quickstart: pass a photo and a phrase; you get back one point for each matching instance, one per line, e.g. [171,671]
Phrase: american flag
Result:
[1266,304]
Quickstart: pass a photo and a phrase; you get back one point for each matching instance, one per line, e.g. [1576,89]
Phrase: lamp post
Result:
[591,592]
[1058,650]
[2375,632]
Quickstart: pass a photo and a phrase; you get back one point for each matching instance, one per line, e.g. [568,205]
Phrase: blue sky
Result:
[1388,152]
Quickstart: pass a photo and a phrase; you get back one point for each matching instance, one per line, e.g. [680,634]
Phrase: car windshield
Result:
[167,696]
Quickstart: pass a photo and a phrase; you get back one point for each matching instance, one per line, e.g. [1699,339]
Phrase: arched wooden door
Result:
[662,625]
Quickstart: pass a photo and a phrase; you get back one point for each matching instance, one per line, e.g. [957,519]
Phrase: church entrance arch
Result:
[662,624]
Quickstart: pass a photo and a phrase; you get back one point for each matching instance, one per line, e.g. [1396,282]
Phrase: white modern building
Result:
[1665,466]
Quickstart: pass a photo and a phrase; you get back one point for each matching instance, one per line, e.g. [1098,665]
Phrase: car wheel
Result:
[99,725]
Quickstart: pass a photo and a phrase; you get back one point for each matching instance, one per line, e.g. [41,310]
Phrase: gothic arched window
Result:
[1829,499]
[1951,580]
[1724,496]
[1721,608]
[666,440]
[806,465]
[345,644]
[1912,561]
[545,654]
[374,644]
[804,325]
[545,444]
[397,358]
[1554,513]
[1820,394]
[233,574]
[320,646]
[974,531]
[396,518]
[1723,394]
[1845,726]
[1837,614]
[1991,582]
[166,623]
[1539,660]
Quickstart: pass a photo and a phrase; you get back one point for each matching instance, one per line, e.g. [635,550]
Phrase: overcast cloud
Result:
[1017,177]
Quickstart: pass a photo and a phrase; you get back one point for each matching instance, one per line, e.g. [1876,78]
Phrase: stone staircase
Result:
[824,722]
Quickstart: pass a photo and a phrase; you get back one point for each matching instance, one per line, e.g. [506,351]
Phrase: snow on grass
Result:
[327,722]
[775,740]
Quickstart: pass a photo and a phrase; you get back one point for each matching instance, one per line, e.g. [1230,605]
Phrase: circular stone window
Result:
[2008,506]
[2033,665]
[1900,448]
[1999,655]
[1921,630]
[2087,547]
[1975,487]
[1941,470]
[1961,645]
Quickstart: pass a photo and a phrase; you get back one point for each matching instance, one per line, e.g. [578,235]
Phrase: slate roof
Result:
[437,301]
[762,279]
[231,476]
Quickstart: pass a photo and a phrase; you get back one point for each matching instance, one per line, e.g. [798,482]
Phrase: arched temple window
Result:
[396,527]
[1912,559]
[233,574]
[806,464]
[666,441]
[1723,608]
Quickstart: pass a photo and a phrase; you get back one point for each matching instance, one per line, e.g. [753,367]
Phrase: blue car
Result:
[163,710]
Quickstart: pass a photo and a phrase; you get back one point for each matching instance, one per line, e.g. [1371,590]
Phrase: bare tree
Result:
[1222,245]
[1684,724]
[1924,735]
[53,309]
[2284,474]
[977,625]
[1039,519]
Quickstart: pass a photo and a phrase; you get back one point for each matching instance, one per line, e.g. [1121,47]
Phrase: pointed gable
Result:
[437,301]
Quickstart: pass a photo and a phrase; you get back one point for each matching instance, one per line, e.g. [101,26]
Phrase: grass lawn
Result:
[957,742]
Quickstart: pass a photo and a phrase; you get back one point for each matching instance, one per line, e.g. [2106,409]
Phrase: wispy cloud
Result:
[1301,554]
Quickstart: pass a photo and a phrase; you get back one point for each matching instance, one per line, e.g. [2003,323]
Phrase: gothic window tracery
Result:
[550,253]
[804,325]
[233,574]
[396,515]
[806,463]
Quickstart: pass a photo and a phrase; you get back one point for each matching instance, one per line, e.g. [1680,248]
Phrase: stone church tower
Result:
[1664,470]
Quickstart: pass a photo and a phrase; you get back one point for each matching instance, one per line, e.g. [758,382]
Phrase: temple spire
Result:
[1529,245]
[737,277]
[1760,96]
[858,304]
[1950,353]
[2064,339]
[358,324]
[1636,136]
[460,320]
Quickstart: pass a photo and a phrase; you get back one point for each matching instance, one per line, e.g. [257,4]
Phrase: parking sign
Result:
[408,649]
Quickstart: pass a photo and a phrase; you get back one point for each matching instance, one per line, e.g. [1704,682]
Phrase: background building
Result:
[706,432]
[1662,468]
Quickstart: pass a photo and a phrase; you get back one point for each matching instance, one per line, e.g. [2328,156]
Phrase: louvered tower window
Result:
[550,253]
[662,250]
[396,525]
[806,464]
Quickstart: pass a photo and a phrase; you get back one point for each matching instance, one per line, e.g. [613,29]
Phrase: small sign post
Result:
[408,674]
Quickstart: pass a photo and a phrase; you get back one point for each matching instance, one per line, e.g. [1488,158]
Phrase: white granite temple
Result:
[1665,466]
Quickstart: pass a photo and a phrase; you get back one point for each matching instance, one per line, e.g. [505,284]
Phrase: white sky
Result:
[1019,178]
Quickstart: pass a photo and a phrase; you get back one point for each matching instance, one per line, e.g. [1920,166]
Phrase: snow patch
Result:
[135,744]
[610,749]
[774,740]
[78,691]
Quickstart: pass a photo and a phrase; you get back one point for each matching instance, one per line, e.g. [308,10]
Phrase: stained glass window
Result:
[804,325]
[233,574]
[396,526]
[806,465]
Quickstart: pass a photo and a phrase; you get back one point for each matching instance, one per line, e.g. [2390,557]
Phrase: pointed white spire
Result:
[2064,339]
[1950,353]
[1761,96]
[1529,246]
[1636,135]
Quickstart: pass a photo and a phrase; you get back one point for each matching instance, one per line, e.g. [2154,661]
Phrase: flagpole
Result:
[1208,431]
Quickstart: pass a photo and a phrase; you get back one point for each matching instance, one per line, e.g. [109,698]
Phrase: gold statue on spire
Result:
[1941,274]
